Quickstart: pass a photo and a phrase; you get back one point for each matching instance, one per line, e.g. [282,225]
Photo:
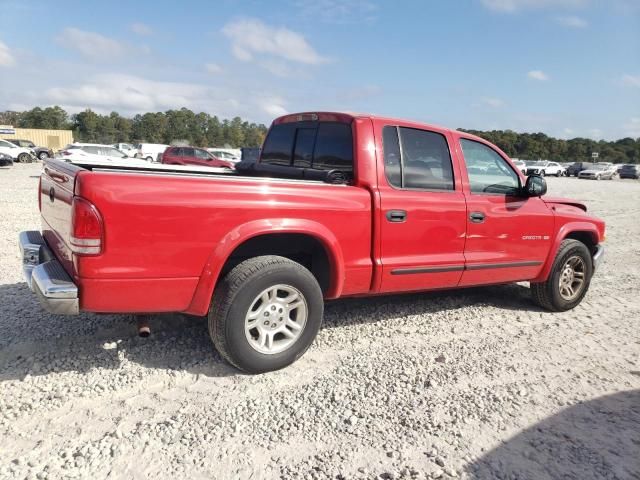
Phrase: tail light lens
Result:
[87,228]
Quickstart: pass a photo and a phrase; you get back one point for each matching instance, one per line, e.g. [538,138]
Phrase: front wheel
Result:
[558,173]
[568,280]
[43,156]
[265,313]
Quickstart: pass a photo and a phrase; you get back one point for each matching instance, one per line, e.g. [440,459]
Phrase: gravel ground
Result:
[469,384]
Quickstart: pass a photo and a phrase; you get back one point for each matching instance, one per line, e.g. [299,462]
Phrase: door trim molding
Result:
[459,268]
[441,269]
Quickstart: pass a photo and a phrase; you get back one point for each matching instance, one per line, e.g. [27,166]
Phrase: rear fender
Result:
[223,250]
[562,234]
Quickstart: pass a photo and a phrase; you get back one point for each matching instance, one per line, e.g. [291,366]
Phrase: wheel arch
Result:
[584,232]
[273,237]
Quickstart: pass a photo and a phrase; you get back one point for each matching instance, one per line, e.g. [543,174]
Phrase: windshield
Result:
[536,164]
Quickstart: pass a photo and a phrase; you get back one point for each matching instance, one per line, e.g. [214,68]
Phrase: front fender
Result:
[236,237]
[562,233]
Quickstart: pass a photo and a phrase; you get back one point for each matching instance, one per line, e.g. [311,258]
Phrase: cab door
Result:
[423,211]
[508,235]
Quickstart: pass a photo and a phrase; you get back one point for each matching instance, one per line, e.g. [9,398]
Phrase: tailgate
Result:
[57,183]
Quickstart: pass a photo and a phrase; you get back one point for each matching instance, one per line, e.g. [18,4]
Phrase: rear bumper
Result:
[45,276]
[598,257]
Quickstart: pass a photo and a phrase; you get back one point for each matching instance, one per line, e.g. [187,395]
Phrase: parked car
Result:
[41,152]
[598,172]
[544,167]
[575,168]
[193,156]
[151,152]
[5,160]
[320,216]
[127,148]
[629,171]
[521,165]
[82,152]
[224,154]
[20,154]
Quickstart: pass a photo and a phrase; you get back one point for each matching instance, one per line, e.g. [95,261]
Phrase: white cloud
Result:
[631,80]
[128,92]
[632,127]
[572,21]
[90,45]
[213,68]
[341,12]
[492,102]
[251,36]
[141,29]
[538,75]
[6,58]
[273,107]
[511,6]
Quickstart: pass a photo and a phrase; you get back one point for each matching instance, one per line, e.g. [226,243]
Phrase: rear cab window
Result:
[318,145]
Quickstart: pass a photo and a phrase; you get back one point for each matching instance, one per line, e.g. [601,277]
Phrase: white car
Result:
[21,154]
[231,154]
[150,152]
[521,165]
[91,152]
[545,168]
[126,148]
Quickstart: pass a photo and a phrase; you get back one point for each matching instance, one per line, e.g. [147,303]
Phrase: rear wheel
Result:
[265,313]
[568,280]
[149,159]
[43,155]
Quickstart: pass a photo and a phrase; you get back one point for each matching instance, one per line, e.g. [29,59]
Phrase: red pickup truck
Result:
[338,205]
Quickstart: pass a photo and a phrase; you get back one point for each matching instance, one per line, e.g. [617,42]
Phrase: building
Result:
[53,139]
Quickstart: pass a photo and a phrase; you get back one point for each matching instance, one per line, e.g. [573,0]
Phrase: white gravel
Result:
[468,384]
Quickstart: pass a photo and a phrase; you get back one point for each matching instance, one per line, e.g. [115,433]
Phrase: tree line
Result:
[202,129]
[199,129]
[536,146]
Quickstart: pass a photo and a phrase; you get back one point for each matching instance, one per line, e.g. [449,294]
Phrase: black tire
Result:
[558,173]
[547,294]
[24,158]
[234,297]
[43,156]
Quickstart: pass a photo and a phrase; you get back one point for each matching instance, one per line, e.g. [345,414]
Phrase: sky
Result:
[568,68]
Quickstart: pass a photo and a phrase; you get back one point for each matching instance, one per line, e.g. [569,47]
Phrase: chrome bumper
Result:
[598,257]
[46,277]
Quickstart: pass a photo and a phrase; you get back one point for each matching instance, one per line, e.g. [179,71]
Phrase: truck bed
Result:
[169,228]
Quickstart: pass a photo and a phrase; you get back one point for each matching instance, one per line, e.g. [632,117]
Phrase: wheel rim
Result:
[43,155]
[276,319]
[572,278]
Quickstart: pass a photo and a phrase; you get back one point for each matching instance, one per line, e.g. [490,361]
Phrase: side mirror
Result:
[536,186]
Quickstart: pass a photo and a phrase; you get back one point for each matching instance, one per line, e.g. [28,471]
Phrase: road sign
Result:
[594,155]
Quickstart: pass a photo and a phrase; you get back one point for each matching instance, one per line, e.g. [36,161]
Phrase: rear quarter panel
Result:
[184,227]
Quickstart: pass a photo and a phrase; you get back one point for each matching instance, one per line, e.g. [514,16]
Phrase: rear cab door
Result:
[423,210]
[508,235]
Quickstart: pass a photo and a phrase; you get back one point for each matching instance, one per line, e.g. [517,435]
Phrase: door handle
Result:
[476,217]
[396,216]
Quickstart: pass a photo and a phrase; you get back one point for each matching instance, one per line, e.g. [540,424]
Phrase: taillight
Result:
[86,228]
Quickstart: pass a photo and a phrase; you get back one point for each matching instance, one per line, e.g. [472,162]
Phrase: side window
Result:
[416,158]
[392,164]
[334,147]
[488,171]
[92,150]
[202,154]
[187,152]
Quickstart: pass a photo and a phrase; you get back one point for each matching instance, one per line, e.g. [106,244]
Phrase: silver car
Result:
[598,172]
